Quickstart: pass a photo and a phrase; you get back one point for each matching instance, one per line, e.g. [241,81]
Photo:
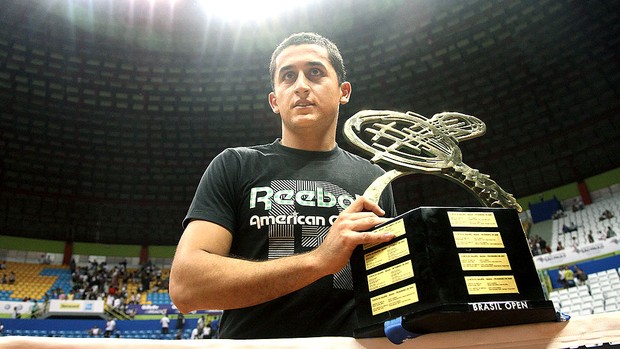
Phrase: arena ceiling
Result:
[111,110]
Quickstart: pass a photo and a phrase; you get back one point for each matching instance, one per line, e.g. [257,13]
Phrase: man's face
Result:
[306,89]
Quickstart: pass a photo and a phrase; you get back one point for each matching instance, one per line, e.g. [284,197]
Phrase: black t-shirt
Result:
[276,202]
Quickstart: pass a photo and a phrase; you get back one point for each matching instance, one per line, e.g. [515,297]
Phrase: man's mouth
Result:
[303,104]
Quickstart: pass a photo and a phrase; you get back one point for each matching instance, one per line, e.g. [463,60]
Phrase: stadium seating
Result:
[32,281]
[586,220]
[600,294]
[35,280]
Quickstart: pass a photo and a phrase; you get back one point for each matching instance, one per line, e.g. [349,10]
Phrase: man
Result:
[271,229]
[110,326]
[180,324]
[94,331]
[34,310]
[165,324]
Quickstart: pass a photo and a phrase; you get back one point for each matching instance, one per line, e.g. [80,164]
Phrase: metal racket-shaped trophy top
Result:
[411,143]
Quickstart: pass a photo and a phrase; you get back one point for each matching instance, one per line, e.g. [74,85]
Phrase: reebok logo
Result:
[311,198]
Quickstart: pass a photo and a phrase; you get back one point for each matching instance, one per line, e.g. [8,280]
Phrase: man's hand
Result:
[348,231]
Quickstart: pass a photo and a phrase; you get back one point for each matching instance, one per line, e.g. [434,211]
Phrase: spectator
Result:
[118,302]
[590,237]
[12,278]
[581,276]
[602,235]
[543,245]
[4,280]
[575,244]
[610,233]
[34,310]
[577,205]
[562,276]
[200,324]
[194,334]
[558,214]
[165,324]
[180,325]
[16,314]
[94,331]
[569,228]
[3,265]
[569,275]
[560,246]
[606,215]
[566,277]
[207,331]
[110,326]
[215,326]
[535,246]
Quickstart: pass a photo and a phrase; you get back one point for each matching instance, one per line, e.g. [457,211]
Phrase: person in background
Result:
[110,327]
[180,324]
[581,276]
[34,310]
[610,233]
[569,276]
[165,324]
[207,332]
[94,331]
[194,334]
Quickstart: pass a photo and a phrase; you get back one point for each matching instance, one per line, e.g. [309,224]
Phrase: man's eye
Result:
[288,76]
[315,72]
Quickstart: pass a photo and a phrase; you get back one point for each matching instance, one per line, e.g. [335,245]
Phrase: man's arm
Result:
[204,277]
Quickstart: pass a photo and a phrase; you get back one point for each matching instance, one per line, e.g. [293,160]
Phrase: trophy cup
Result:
[448,268]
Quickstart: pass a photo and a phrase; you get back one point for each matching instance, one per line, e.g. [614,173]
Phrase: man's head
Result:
[335,58]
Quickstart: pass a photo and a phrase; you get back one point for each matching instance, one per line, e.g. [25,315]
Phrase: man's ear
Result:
[345,92]
[273,102]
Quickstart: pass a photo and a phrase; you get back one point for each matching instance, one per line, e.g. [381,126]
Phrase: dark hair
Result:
[333,54]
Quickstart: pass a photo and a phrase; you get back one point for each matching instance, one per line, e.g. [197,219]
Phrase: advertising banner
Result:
[75,307]
[572,255]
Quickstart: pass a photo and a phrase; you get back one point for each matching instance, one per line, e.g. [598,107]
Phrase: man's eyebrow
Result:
[311,64]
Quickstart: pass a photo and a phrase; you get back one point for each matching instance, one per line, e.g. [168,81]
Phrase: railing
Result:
[115,313]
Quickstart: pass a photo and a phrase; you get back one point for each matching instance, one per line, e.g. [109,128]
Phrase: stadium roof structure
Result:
[111,110]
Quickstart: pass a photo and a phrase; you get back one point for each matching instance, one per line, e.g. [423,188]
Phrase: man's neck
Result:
[310,139]
[308,143]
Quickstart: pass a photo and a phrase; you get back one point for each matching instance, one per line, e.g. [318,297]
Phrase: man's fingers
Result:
[362,204]
[370,237]
[367,223]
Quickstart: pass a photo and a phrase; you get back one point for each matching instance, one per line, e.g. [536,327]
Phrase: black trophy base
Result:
[448,269]
[458,317]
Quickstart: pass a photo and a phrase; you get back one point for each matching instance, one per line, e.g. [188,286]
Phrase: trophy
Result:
[448,268]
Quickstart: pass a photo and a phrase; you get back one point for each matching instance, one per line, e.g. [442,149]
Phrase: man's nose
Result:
[301,85]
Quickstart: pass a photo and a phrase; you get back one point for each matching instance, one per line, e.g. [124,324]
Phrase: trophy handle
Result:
[373,192]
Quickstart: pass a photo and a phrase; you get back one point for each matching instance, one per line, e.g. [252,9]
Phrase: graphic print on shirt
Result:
[311,206]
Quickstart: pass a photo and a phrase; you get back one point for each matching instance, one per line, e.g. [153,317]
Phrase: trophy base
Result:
[448,269]
[458,317]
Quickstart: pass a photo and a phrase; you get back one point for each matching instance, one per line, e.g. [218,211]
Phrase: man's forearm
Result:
[203,280]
